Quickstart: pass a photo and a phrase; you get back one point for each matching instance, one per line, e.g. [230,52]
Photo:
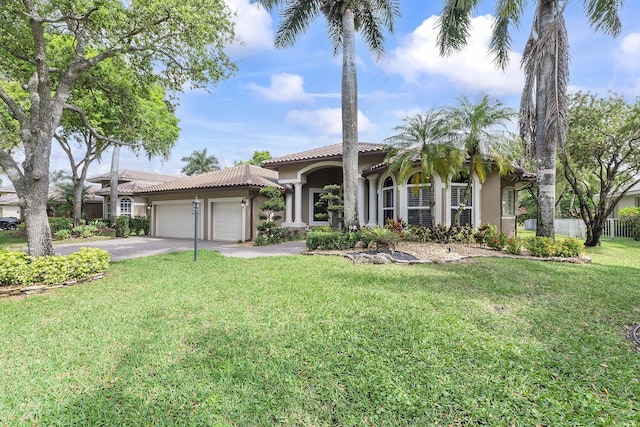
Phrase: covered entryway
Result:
[227,221]
[174,219]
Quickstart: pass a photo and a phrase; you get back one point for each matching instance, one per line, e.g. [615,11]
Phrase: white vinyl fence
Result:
[575,228]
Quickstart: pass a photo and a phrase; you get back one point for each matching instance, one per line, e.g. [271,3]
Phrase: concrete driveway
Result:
[141,246]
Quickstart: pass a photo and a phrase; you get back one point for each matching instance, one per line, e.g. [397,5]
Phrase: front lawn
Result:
[315,341]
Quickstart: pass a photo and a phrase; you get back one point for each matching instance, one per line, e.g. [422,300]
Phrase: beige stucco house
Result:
[9,202]
[129,181]
[230,200]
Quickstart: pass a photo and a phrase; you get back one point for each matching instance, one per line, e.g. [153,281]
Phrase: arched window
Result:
[125,206]
[418,202]
[388,199]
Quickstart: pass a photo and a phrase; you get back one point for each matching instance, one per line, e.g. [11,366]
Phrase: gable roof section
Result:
[322,153]
[238,176]
[139,176]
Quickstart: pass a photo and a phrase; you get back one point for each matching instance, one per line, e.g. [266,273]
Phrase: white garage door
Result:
[227,221]
[175,220]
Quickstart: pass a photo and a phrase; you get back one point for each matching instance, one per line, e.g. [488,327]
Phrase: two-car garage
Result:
[176,219]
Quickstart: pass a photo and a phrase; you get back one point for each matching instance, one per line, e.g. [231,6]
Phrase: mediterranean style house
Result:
[129,181]
[230,201]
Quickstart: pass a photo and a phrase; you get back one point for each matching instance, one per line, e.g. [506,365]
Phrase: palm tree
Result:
[344,18]
[543,107]
[424,141]
[475,129]
[199,162]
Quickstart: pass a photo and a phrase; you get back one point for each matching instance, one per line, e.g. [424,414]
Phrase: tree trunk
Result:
[77,201]
[349,121]
[113,195]
[33,191]
[545,142]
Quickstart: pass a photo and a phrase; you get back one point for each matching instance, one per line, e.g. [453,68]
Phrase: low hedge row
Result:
[20,269]
[327,239]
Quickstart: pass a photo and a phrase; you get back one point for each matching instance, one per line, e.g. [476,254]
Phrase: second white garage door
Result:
[227,221]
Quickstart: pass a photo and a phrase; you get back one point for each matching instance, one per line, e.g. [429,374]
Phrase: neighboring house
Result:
[230,200]
[630,199]
[229,203]
[92,205]
[9,202]
[129,181]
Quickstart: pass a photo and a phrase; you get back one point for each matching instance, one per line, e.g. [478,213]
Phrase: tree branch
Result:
[92,130]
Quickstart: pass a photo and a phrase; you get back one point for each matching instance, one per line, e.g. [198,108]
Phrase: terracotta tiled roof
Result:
[238,176]
[327,152]
[7,189]
[9,199]
[92,196]
[138,176]
[126,188]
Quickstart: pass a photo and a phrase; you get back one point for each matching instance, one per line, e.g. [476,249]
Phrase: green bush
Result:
[19,269]
[568,248]
[514,245]
[332,239]
[59,223]
[122,226]
[62,234]
[496,240]
[418,233]
[631,217]
[540,246]
[139,225]
[380,237]
[483,233]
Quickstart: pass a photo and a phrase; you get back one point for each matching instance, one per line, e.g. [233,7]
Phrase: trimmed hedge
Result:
[331,240]
[20,269]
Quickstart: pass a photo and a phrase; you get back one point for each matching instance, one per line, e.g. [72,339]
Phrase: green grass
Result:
[315,341]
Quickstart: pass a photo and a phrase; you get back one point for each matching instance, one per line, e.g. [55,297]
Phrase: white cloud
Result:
[252,27]
[629,51]
[326,121]
[284,88]
[418,61]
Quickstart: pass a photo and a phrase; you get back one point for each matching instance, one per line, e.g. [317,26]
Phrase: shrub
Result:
[331,240]
[100,222]
[631,217]
[62,234]
[397,225]
[568,248]
[540,246]
[418,233]
[483,232]
[380,238]
[122,226]
[514,245]
[19,269]
[496,240]
[59,223]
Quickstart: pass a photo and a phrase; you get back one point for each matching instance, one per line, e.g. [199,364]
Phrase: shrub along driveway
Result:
[142,246]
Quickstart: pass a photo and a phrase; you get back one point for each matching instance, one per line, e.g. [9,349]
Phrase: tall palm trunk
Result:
[113,195]
[546,139]
[349,120]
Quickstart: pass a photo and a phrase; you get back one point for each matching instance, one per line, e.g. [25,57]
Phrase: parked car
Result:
[9,223]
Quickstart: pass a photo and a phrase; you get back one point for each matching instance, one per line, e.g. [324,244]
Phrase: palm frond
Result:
[296,18]
[507,14]
[454,25]
[604,15]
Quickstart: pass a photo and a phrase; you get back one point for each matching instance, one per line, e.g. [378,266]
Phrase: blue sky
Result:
[286,101]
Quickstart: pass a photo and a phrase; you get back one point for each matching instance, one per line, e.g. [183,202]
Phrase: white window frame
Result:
[123,204]
[312,220]
[509,202]
[426,187]
[459,189]
[384,209]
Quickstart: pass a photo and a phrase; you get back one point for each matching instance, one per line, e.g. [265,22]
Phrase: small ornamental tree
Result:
[269,230]
[331,205]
